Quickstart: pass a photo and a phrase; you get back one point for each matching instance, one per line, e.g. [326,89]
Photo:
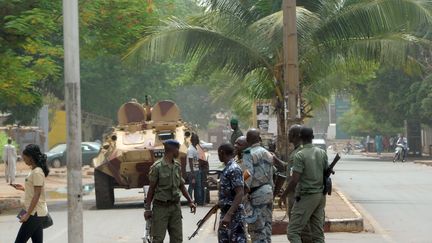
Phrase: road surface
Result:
[394,197]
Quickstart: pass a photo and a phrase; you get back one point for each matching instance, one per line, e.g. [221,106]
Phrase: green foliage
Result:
[360,122]
[244,40]
[31,52]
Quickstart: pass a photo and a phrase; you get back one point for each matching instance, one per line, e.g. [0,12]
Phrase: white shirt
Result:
[9,154]
[192,153]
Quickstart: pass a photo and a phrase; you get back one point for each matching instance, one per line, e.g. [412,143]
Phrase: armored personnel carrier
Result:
[134,145]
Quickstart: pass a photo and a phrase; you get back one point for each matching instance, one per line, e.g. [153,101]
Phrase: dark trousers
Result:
[197,188]
[32,228]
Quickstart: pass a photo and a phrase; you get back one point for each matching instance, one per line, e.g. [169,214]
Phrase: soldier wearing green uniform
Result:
[166,184]
[289,198]
[236,131]
[308,173]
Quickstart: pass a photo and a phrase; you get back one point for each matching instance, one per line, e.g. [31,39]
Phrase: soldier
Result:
[239,146]
[236,130]
[231,227]
[294,138]
[259,163]
[166,183]
[308,171]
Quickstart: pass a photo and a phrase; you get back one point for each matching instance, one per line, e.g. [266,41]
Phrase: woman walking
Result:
[36,211]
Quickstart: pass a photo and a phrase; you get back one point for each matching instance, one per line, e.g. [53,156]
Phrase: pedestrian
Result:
[9,159]
[187,137]
[195,172]
[289,197]
[307,181]
[378,144]
[259,163]
[239,146]
[236,130]
[386,144]
[35,206]
[166,184]
[368,144]
[231,226]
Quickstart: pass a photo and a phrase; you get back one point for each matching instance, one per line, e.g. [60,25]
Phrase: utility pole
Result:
[291,72]
[73,111]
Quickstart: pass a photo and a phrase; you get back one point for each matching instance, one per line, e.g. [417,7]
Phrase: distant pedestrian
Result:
[35,206]
[231,226]
[259,163]
[379,144]
[195,189]
[368,144]
[166,186]
[236,130]
[386,144]
[10,158]
[187,137]
[307,181]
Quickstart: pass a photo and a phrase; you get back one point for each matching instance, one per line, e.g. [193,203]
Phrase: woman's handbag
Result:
[48,222]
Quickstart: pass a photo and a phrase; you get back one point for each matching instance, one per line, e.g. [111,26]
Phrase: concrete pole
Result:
[291,72]
[73,111]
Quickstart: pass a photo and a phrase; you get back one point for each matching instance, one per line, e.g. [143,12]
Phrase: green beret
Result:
[234,121]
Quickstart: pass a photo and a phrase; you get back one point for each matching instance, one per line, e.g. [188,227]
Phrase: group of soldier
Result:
[246,190]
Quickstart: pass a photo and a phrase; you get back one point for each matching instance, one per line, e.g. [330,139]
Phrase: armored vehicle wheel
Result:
[104,190]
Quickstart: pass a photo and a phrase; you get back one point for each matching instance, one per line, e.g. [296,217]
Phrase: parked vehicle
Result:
[206,145]
[56,157]
[320,143]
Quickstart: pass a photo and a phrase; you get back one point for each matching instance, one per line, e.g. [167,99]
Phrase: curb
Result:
[423,163]
[10,203]
[350,225]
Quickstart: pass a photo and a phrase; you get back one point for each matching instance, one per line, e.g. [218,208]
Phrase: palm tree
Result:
[244,40]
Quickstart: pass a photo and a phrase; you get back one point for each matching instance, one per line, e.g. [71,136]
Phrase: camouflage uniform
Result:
[259,209]
[310,162]
[236,134]
[166,203]
[231,178]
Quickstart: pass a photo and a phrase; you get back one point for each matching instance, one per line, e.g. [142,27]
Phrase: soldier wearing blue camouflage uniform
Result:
[231,228]
[259,163]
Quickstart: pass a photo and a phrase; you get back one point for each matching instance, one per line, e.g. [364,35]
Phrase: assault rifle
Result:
[147,233]
[327,174]
[202,221]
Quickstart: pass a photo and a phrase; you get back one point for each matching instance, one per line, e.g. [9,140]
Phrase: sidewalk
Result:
[55,188]
[341,216]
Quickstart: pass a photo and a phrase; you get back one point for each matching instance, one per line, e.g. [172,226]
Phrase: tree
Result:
[244,39]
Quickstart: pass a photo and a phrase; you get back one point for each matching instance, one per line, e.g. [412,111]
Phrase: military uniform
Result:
[166,202]
[310,162]
[306,234]
[231,178]
[236,134]
[259,209]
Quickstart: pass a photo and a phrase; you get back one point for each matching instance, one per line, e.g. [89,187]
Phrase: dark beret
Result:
[172,142]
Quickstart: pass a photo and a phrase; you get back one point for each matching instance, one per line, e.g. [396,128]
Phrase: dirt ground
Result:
[55,182]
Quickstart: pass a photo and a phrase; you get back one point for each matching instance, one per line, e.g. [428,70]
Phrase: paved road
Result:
[396,195]
[125,223]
